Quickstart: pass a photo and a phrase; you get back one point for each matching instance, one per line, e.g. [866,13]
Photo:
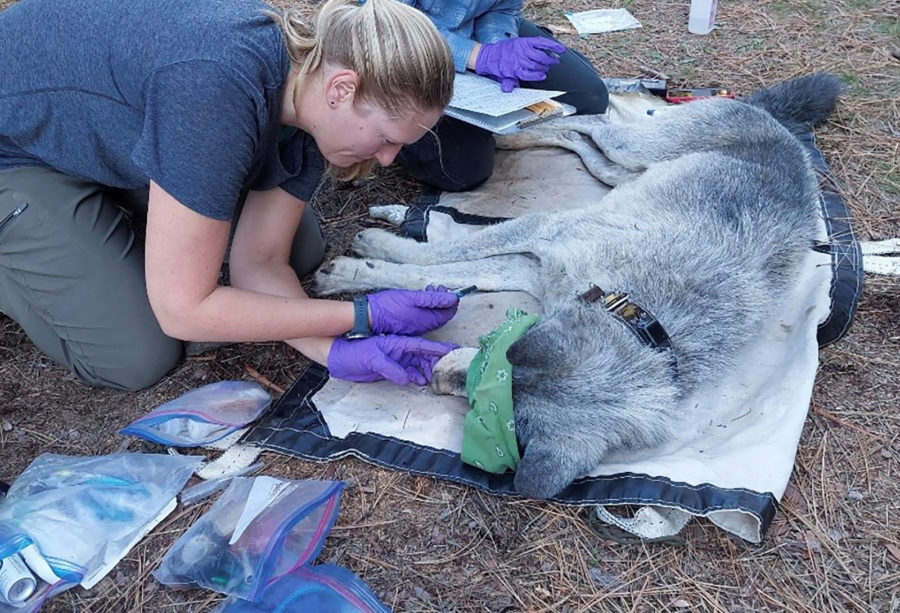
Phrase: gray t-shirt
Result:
[186,93]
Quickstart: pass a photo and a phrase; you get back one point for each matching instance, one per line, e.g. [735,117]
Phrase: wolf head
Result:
[584,385]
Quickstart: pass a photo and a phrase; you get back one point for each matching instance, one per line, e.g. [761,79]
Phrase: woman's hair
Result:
[402,61]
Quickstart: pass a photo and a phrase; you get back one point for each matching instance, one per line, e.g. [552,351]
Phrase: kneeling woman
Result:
[185,113]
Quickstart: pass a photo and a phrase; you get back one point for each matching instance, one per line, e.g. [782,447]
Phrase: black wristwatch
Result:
[360,319]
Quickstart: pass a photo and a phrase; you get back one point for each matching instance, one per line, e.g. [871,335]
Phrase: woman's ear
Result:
[340,87]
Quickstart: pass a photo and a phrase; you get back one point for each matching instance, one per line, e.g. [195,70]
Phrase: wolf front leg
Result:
[501,273]
[431,223]
[394,214]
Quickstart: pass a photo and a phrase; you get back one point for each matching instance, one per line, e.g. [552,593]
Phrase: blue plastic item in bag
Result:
[202,416]
[322,588]
[259,530]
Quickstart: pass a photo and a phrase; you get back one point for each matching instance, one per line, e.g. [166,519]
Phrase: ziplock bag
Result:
[71,519]
[322,588]
[202,416]
[260,529]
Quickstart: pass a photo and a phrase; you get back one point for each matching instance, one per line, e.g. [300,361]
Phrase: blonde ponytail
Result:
[401,59]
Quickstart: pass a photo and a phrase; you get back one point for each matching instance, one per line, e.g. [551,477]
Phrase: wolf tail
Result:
[800,103]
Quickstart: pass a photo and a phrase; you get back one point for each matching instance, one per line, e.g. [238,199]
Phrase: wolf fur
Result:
[715,210]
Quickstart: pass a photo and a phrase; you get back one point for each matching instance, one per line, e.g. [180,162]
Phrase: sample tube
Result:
[17,584]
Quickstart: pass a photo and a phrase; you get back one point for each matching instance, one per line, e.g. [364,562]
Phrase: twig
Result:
[264,381]
[834,418]
[654,73]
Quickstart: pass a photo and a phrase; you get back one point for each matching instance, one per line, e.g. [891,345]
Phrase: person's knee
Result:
[456,157]
[468,164]
[309,246]
[594,101]
[308,258]
[463,177]
[575,75]
[133,367]
[456,176]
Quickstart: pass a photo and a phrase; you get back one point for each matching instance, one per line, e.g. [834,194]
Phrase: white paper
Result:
[603,20]
[472,92]
[262,493]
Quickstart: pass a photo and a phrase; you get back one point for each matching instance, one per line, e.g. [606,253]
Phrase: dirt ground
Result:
[427,545]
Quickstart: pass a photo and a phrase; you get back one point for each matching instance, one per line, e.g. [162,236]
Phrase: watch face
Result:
[353,335]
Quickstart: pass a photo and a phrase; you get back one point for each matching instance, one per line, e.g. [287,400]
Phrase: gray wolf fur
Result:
[715,209]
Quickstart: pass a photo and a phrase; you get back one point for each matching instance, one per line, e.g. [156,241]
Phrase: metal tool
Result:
[465,291]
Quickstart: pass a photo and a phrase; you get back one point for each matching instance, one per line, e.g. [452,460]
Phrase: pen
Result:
[465,291]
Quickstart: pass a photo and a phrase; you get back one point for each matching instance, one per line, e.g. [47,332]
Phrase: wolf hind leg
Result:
[519,235]
[547,131]
[501,273]
[625,145]
[583,124]
[705,125]
[594,160]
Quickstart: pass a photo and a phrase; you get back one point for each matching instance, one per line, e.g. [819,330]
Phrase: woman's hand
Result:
[399,359]
[513,59]
[398,311]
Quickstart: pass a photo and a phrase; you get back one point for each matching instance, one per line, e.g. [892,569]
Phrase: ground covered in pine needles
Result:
[427,545]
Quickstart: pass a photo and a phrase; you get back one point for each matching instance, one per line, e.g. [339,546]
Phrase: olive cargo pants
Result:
[72,275]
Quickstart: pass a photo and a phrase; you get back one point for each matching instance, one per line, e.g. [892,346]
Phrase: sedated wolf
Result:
[714,210]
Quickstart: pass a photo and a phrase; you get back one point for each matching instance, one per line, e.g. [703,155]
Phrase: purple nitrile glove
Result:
[399,359]
[513,59]
[507,85]
[401,311]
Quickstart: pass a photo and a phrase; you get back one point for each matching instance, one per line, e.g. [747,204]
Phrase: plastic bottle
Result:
[702,17]
[17,583]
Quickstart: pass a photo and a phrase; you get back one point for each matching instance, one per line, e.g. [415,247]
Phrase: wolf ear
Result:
[546,468]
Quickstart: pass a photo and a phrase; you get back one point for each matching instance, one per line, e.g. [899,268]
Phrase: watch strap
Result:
[361,327]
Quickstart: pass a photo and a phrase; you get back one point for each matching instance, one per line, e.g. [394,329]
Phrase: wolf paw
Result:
[394,214]
[450,372]
[382,245]
[342,275]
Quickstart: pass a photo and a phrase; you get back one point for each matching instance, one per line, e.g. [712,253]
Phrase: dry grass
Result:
[426,545]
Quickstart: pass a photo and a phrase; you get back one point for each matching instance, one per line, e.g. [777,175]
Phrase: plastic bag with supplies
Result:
[202,416]
[70,519]
[259,530]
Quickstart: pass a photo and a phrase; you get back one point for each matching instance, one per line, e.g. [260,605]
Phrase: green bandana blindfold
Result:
[489,434]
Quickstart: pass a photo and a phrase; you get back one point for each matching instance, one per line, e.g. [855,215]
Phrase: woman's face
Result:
[358,132]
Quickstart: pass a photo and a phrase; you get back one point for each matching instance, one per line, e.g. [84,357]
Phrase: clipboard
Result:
[480,101]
